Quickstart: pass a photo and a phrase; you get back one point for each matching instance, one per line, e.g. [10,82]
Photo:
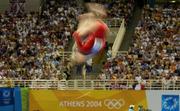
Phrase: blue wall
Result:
[10,99]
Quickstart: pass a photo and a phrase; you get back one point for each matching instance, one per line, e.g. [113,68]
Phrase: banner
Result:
[25,98]
[163,100]
[92,100]
[10,99]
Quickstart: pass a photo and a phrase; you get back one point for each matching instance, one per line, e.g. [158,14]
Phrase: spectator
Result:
[31,44]
[154,52]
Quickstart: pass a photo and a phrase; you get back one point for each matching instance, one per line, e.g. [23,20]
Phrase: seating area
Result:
[31,44]
[154,53]
[118,8]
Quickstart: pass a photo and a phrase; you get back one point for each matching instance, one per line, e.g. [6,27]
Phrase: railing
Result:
[119,39]
[65,55]
[113,22]
[120,53]
[90,84]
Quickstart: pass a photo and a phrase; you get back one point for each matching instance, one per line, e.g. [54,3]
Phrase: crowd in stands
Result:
[118,8]
[121,9]
[155,51]
[31,44]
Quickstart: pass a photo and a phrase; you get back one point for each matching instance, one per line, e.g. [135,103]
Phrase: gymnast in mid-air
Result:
[90,36]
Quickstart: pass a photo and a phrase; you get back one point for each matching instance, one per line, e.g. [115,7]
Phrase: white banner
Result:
[163,100]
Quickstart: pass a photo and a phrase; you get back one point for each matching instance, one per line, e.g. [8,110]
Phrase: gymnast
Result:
[90,36]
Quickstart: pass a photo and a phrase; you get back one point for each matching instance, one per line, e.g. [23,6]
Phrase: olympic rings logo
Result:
[114,103]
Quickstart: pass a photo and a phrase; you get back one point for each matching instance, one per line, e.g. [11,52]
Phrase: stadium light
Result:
[173,1]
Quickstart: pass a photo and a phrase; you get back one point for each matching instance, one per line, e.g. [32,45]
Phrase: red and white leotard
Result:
[87,46]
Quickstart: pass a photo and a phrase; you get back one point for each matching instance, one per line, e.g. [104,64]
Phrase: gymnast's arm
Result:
[86,46]
[86,28]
